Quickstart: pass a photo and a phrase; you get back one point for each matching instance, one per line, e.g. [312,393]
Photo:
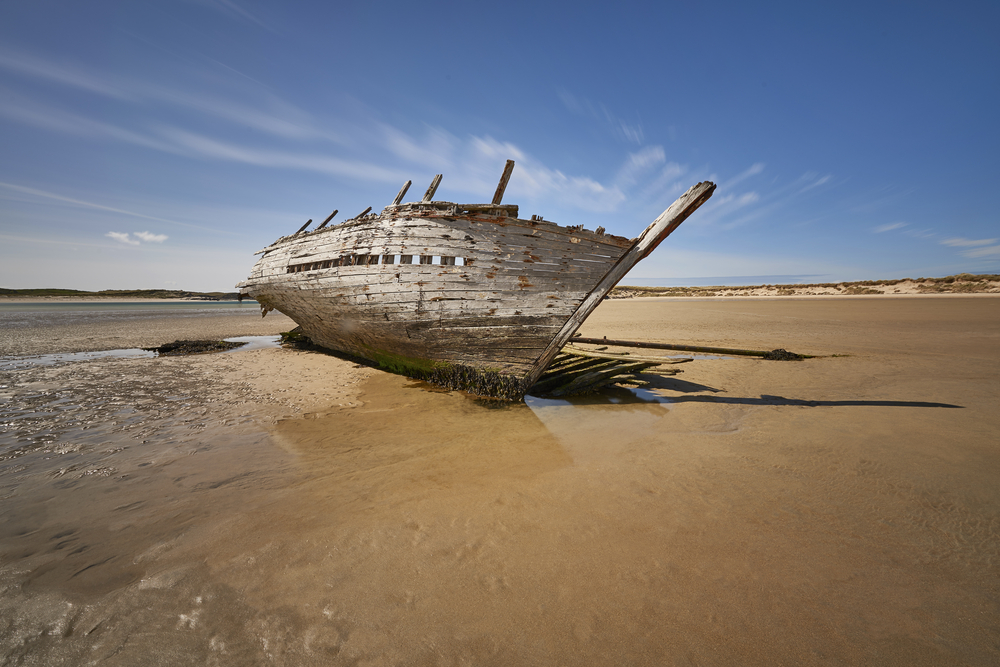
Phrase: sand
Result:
[286,507]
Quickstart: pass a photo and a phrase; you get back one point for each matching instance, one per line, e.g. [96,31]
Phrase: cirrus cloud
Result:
[888,228]
[968,243]
[137,238]
[150,237]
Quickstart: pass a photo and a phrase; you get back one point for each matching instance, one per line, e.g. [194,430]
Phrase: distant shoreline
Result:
[4,298]
[963,284]
[117,295]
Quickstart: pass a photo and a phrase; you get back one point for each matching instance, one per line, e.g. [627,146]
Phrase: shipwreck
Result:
[469,296]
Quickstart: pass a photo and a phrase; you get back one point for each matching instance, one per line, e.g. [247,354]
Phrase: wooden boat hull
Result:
[471,297]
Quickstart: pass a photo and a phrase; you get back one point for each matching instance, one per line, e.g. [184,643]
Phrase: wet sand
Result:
[286,507]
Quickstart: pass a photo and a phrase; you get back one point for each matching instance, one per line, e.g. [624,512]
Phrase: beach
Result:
[281,506]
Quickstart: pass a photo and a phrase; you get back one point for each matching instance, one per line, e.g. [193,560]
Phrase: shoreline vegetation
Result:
[963,283]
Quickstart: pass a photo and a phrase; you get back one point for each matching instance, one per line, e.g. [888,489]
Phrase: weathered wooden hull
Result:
[469,296]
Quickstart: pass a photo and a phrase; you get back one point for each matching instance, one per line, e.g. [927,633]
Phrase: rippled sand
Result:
[283,507]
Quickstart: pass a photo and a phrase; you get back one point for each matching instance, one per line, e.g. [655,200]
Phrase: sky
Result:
[160,144]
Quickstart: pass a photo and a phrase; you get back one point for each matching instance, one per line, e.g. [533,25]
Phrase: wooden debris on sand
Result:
[772,355]
[180,347]
[579,371]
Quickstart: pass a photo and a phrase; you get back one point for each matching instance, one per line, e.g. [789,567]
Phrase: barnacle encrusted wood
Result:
[466,295]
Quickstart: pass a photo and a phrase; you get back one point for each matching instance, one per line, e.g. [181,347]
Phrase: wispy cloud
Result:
[986,252]
[889,227]
[477,164]
[723,209]
[265,113]
[49,240]
[816,182]
[122,238]
[79,202]
[753,170]
[230,8]
[68,75]
[959,242]
[34,114]
[730,209]
[358,153]
[640,164]
[149,237]
[206,147]
[580,106]
[473,164]
[137,238]
[975,248]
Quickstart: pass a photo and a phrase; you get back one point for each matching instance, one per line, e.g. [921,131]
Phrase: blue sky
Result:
[160,144]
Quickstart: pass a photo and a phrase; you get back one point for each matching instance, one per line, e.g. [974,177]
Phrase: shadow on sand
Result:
[766,399]
[621,396]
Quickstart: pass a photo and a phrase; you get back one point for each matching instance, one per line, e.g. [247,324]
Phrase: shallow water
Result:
[67,328]
[14,314]
[19,363]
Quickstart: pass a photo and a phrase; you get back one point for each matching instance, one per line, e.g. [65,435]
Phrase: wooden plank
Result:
[429,195]
[402,193]
[328,219]
[595,379]
[555,286]
[682,348]
[573,365]
[303,227]
[630,357]
[507,170]
[516,255]
[517,226]
[490,269]
[568,374]
[472,314]
[412,234]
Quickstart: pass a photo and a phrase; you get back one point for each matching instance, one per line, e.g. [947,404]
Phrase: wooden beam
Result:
[303,227]
[498,195]
[660,228]
[429,195]
[362,214]
[402,193]
[596,378]
[682,348]
[564,377]
[328,219]
[570,349]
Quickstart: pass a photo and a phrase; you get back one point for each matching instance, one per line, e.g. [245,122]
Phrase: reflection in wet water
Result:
[16,363]
[20,363]
[611,395]
[253,343]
